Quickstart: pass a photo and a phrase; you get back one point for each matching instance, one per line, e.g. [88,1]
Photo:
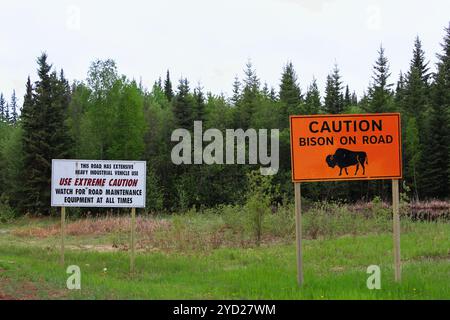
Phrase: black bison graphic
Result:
[344,158]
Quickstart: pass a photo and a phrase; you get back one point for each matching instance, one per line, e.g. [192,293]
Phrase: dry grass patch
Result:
[95,226]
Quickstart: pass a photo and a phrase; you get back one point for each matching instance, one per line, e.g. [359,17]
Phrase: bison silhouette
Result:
[344,158]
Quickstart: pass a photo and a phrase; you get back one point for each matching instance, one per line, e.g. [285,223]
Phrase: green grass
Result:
[334,268]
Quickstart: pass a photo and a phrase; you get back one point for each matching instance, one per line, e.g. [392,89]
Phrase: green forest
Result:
[109,116]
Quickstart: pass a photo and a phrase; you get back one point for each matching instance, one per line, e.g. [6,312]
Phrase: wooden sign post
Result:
[133,240]
[63,233]
[298,232]
[346,147]
[396,229]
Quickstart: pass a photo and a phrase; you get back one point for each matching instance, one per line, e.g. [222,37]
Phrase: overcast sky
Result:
[209,41]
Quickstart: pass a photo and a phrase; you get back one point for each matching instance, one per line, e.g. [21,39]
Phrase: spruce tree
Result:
[412,96]
[249,101]
[354,99]
[347,97]
[436,172]
[415,92]
[312,99]
[183,106]
[13,106]
[199,103]
[418,61]
[2,107]
[334,100]
[168,87]
[265,91]
[290,93]
[44,135]
[236,91]
[7,117]
[380,92]
[400,90]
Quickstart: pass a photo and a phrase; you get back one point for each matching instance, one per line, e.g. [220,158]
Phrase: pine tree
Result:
[418,61]
[380,92]
[412,97]
[290,93]
[273,95]
[354,99]
[168,87]
[312,99]
[265,91]
[7,117]
[236,91]
[249,101]
[44,135]
[2,107]
[400,90]
[158,85]
[199,100]
[415,92]
[436,172]
[13,106]
[334,100]
[347,97]
[183,106]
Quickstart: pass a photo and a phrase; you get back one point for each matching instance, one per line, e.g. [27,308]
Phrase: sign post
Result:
[346,147]
[298,232]
[133,239]
[63,233]
[99,183]
[396,229]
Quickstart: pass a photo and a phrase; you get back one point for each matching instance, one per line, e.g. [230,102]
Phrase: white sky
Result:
[211,40]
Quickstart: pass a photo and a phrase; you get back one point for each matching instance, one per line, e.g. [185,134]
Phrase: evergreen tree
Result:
[312,100]
[380,92]
[183,106]
[44,136]
[290,93]
[400,89]
[2,107]
[236,91]
[249,101]
[354,99]
[168,87]
[265,91]
[412,96]
[418,61]
[347,97]
[273,95]
[436,172]
[199,100]
[334,100]
[158,85]
[13,106]
[7,117]
[415,91]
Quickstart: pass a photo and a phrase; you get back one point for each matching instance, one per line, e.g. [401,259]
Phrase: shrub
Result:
[6,212]
[258,202]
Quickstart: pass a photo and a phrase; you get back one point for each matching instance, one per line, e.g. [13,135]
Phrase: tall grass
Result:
[223,226]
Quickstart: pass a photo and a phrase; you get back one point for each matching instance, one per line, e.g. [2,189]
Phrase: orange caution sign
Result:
[346,147]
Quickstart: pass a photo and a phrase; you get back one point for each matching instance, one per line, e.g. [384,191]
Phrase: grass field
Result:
[198,256]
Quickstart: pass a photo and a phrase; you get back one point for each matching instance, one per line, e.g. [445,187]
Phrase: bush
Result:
[6,212]
[258,202]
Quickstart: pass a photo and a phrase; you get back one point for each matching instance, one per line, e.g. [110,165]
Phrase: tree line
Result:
[109,116]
